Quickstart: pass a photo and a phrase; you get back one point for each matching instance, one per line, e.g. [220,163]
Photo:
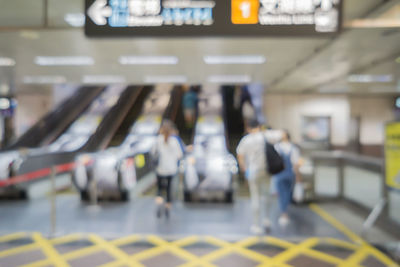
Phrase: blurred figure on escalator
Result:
[189,103]
[166,153]
[247,108]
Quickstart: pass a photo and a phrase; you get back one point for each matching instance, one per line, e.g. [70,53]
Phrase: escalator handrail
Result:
[112,120]
[51,125]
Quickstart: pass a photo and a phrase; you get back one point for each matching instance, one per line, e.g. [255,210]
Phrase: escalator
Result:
[186,133]
[92,131]
[209,168]
[233,117]
[130,118]
[64,149]
[48,128]
[114,171]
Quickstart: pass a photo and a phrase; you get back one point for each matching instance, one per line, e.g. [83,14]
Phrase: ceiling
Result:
[292,64]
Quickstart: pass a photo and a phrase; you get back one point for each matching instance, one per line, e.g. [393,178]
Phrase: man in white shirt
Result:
[251,158]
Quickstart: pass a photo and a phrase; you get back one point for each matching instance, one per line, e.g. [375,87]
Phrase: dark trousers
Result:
[164,184]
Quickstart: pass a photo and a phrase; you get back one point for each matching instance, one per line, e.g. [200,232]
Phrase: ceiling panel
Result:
[292,64]
[355,51]
[280,54]
[18,13]
[59,9]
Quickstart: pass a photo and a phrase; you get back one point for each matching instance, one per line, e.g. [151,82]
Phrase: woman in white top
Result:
[168,152]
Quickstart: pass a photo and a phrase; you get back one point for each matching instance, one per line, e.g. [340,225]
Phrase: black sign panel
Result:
[171,18]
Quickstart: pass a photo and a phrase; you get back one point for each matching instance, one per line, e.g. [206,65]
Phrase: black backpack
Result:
[274,160]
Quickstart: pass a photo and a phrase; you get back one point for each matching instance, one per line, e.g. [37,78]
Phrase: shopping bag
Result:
[298,192]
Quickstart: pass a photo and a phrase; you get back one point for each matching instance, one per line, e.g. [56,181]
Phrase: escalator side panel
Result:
[51,125]
[131,117]
[98,140]
[113,119]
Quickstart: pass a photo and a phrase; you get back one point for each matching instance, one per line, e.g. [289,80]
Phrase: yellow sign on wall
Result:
[245,11]
[392,154]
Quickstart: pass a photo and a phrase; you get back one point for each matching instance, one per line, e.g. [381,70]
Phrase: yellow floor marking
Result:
[336,224]
[365,248]
[12,237]
[116,264]
[66,239]
[339,243]
[126,240]
[322,256]
[81,252]
[113,250]
[238,247]
[294,251]
[356,258]
[271,264]
[248,241]
[17,250]
[49,251]
[148,253]
[45,262]
[278,242]
[176,248]
[215,241]
[186,241]
[382,257]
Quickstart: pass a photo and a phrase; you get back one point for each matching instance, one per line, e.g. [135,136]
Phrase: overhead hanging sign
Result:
[392,155]
[212,17]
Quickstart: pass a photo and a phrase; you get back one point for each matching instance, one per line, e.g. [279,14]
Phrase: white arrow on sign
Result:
[99,11]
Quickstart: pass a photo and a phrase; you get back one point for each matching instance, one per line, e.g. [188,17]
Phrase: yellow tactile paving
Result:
[359,249]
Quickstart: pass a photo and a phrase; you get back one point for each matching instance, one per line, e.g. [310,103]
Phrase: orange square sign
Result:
[245,11]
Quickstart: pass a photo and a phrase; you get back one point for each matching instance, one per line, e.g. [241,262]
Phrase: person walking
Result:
[284,180]
[251,158]
[167,152]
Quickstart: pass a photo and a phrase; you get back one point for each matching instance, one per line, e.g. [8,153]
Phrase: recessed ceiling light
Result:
[103,79]
[44,79]
[5,61]
[75,19]
[235,59]
[165,79]
[229,79]
[367,78]
[64,61]
[148,60]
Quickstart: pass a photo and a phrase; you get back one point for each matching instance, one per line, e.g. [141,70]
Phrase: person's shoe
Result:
[256,230]
[267,225]
[283,221]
